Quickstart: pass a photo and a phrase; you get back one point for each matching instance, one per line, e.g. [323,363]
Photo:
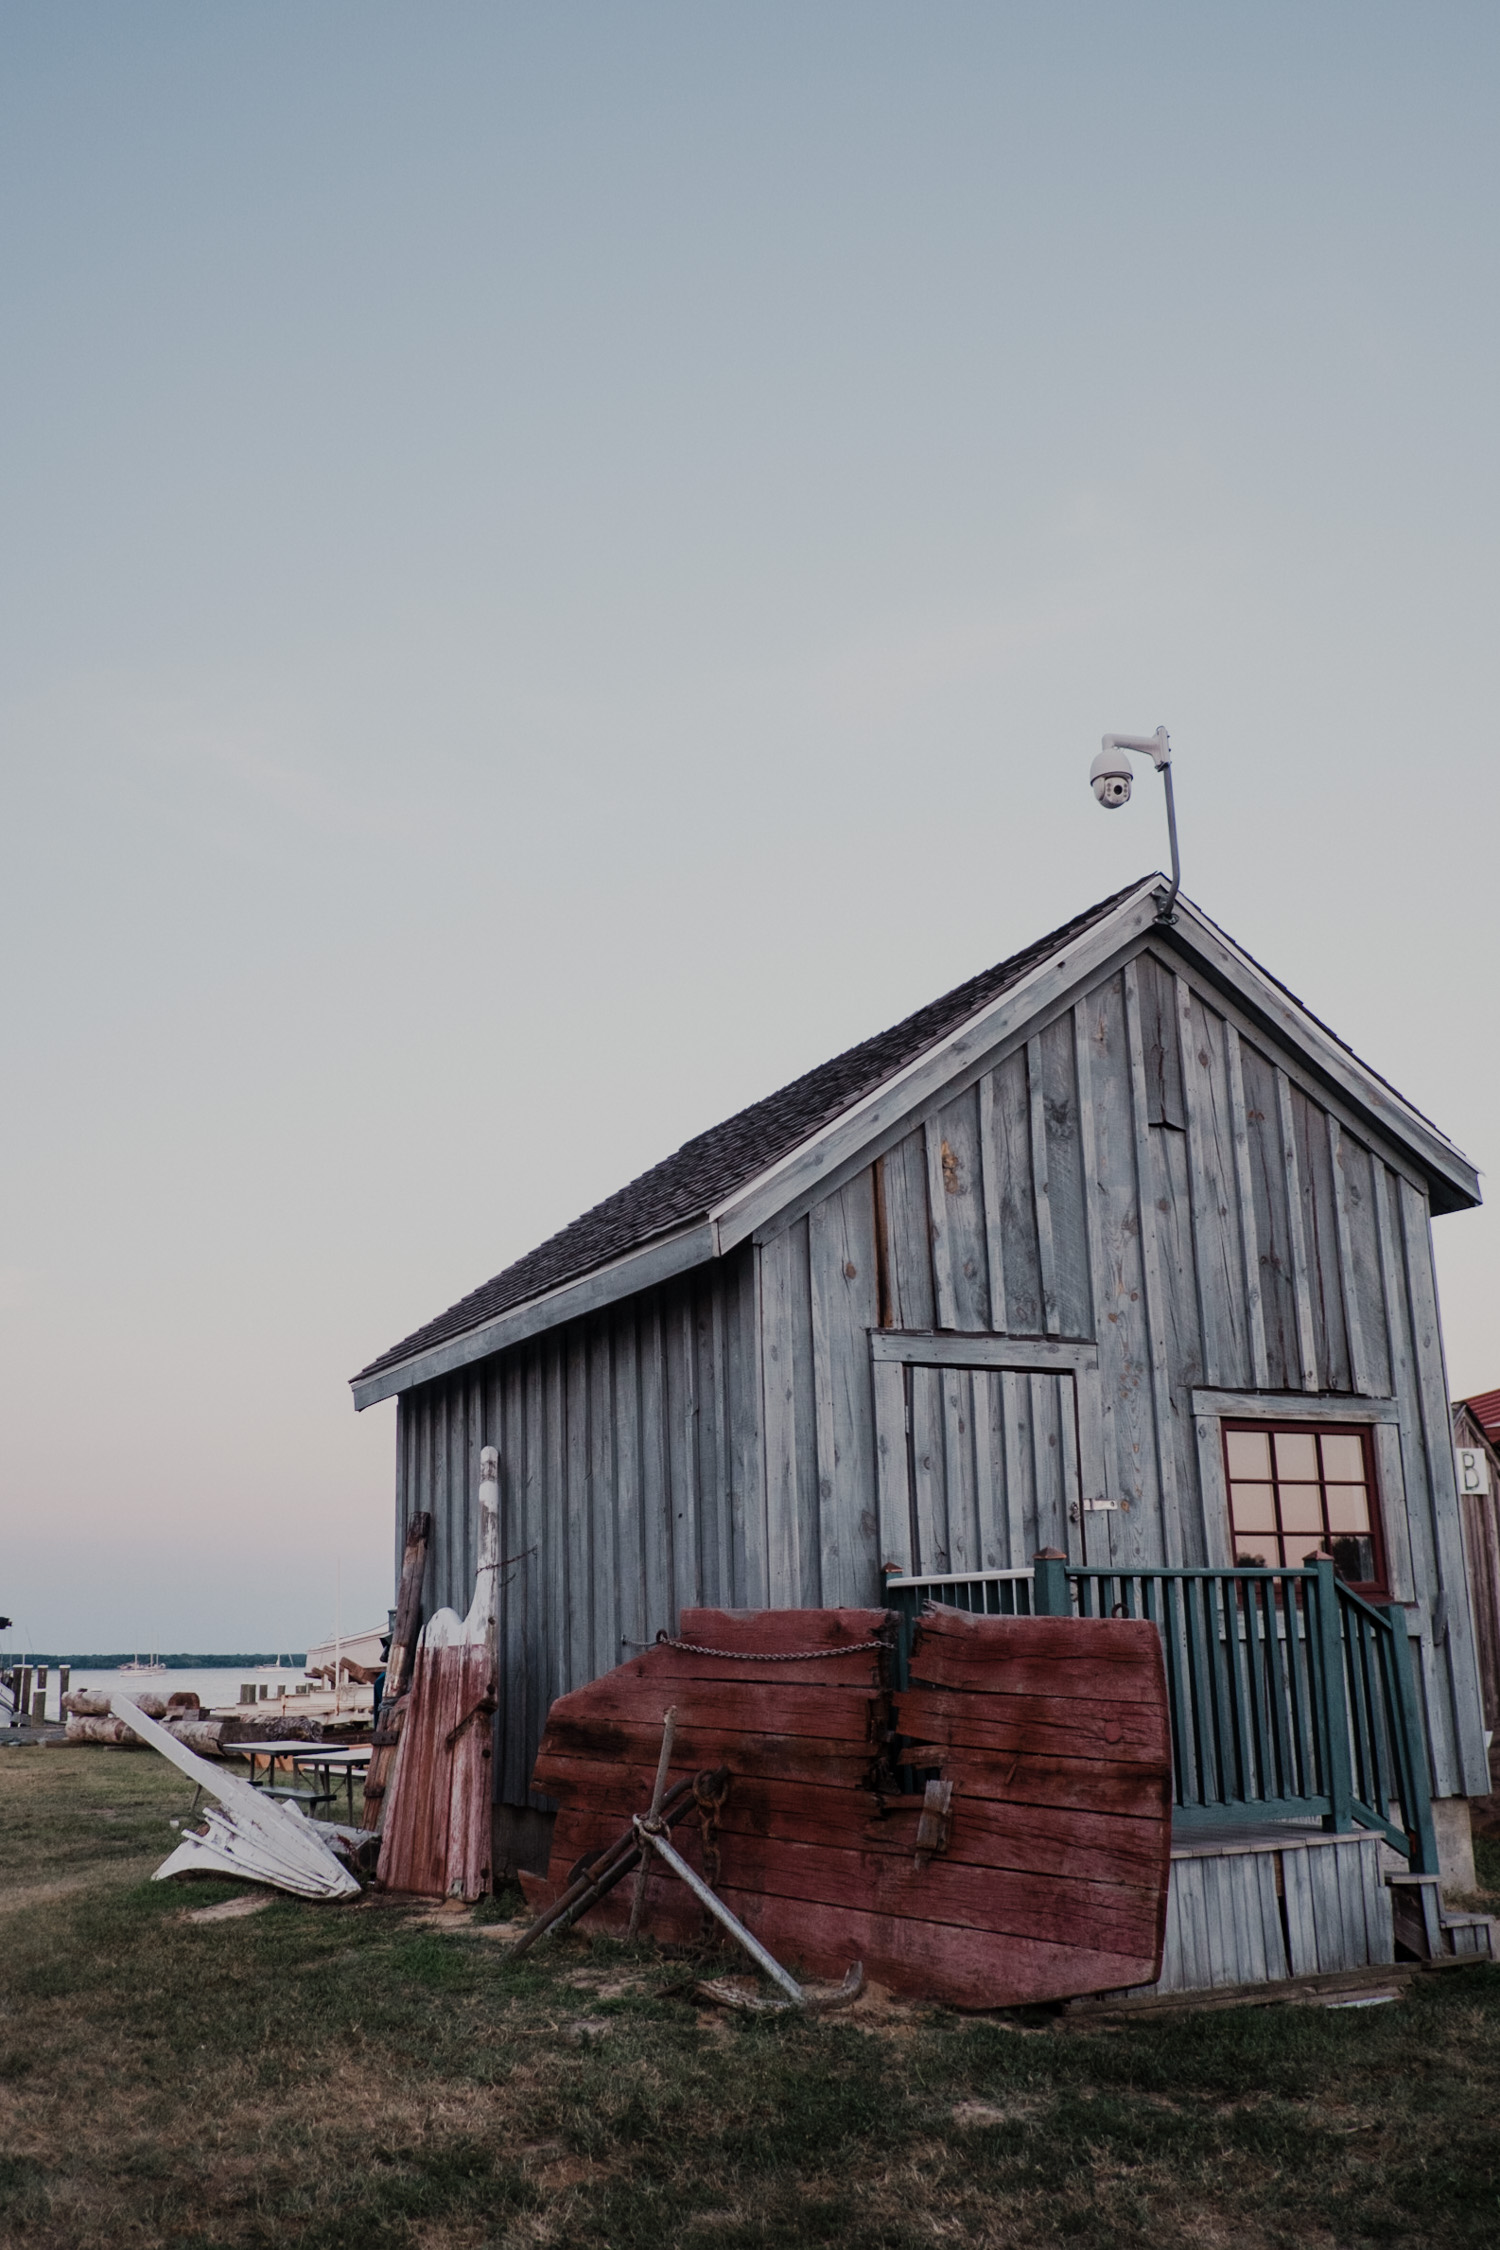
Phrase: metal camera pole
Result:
[1110,777]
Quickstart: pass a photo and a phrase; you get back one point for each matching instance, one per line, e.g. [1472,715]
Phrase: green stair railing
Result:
[1291,1698]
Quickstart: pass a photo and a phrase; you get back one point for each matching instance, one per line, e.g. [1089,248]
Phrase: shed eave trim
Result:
[655,1261]
[1445,1165]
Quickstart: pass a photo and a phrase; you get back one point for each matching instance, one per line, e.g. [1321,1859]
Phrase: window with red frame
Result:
[1296,1490]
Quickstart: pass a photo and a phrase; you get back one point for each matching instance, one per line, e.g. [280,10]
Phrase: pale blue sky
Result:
[562,563]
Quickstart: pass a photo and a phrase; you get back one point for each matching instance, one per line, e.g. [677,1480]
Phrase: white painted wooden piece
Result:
[247,1832]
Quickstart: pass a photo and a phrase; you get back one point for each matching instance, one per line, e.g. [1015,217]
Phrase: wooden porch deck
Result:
[1282,1899]
[1286,1899]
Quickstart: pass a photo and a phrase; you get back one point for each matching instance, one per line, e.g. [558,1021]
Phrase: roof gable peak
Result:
[725,1183]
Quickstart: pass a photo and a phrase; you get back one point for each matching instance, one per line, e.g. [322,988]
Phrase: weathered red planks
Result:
[1121,1733]
[1044,1655]
[965,1968]
[758,1804]
[759,1706]
[436,1839]
[1066,1784]
[1037,1839]
[697,1748]
[1054,1731]
[1064,1910]
[1044,1675]
[1058,1840]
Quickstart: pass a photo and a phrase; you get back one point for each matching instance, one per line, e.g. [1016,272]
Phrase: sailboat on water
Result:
[152,1664]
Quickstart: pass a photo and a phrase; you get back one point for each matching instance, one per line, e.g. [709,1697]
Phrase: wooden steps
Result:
[1432,1932]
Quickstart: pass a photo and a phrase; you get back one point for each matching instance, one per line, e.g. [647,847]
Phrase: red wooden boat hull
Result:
[1053,1731]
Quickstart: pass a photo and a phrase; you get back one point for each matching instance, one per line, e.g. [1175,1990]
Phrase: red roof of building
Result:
[1486,1412]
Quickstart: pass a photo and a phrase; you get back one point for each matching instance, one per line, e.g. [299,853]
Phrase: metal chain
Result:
[766,1656]
[710,1804]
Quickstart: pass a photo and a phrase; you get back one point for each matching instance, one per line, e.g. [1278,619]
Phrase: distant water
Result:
[215,1687]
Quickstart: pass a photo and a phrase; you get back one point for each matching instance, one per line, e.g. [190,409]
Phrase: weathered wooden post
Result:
[1050,1594]
[64,1680]
[1415,1778]
[391,1715]
[1338,1770]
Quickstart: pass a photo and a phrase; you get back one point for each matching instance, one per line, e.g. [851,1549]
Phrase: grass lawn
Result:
[354,2078]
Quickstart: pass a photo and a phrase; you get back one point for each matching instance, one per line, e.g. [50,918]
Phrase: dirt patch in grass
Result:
[373,2077]
[230,1909]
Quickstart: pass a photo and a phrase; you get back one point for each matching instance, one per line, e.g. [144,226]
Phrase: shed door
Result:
[978,1466]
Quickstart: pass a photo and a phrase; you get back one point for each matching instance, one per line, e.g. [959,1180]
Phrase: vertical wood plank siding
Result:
[1128,1438]
[845,1305]
[984,1204]
[991,1469]
[1268,1214]
[1016,1216]
[1146,1172]
[631,1485]
[1073,1306]
[1154,1190]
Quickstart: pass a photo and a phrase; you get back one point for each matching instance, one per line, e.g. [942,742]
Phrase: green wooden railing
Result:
[1291,1698]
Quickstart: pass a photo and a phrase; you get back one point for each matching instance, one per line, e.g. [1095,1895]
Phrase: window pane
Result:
[1302,1509]
[1259,1555]
[1299,1551]
[1249,1453]
[1348,1508]
[1253,1507]
[1296,1454]
[1354,1559]
[1344,1459]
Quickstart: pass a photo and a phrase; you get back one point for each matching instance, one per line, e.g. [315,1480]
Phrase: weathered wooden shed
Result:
[1114,1252]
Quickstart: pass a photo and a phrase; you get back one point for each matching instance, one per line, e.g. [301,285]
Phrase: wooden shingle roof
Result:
[713,1165]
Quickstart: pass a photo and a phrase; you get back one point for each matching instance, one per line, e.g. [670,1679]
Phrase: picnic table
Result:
[326,1765]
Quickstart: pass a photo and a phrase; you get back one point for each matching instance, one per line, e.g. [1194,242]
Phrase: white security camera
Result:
[1110,777]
